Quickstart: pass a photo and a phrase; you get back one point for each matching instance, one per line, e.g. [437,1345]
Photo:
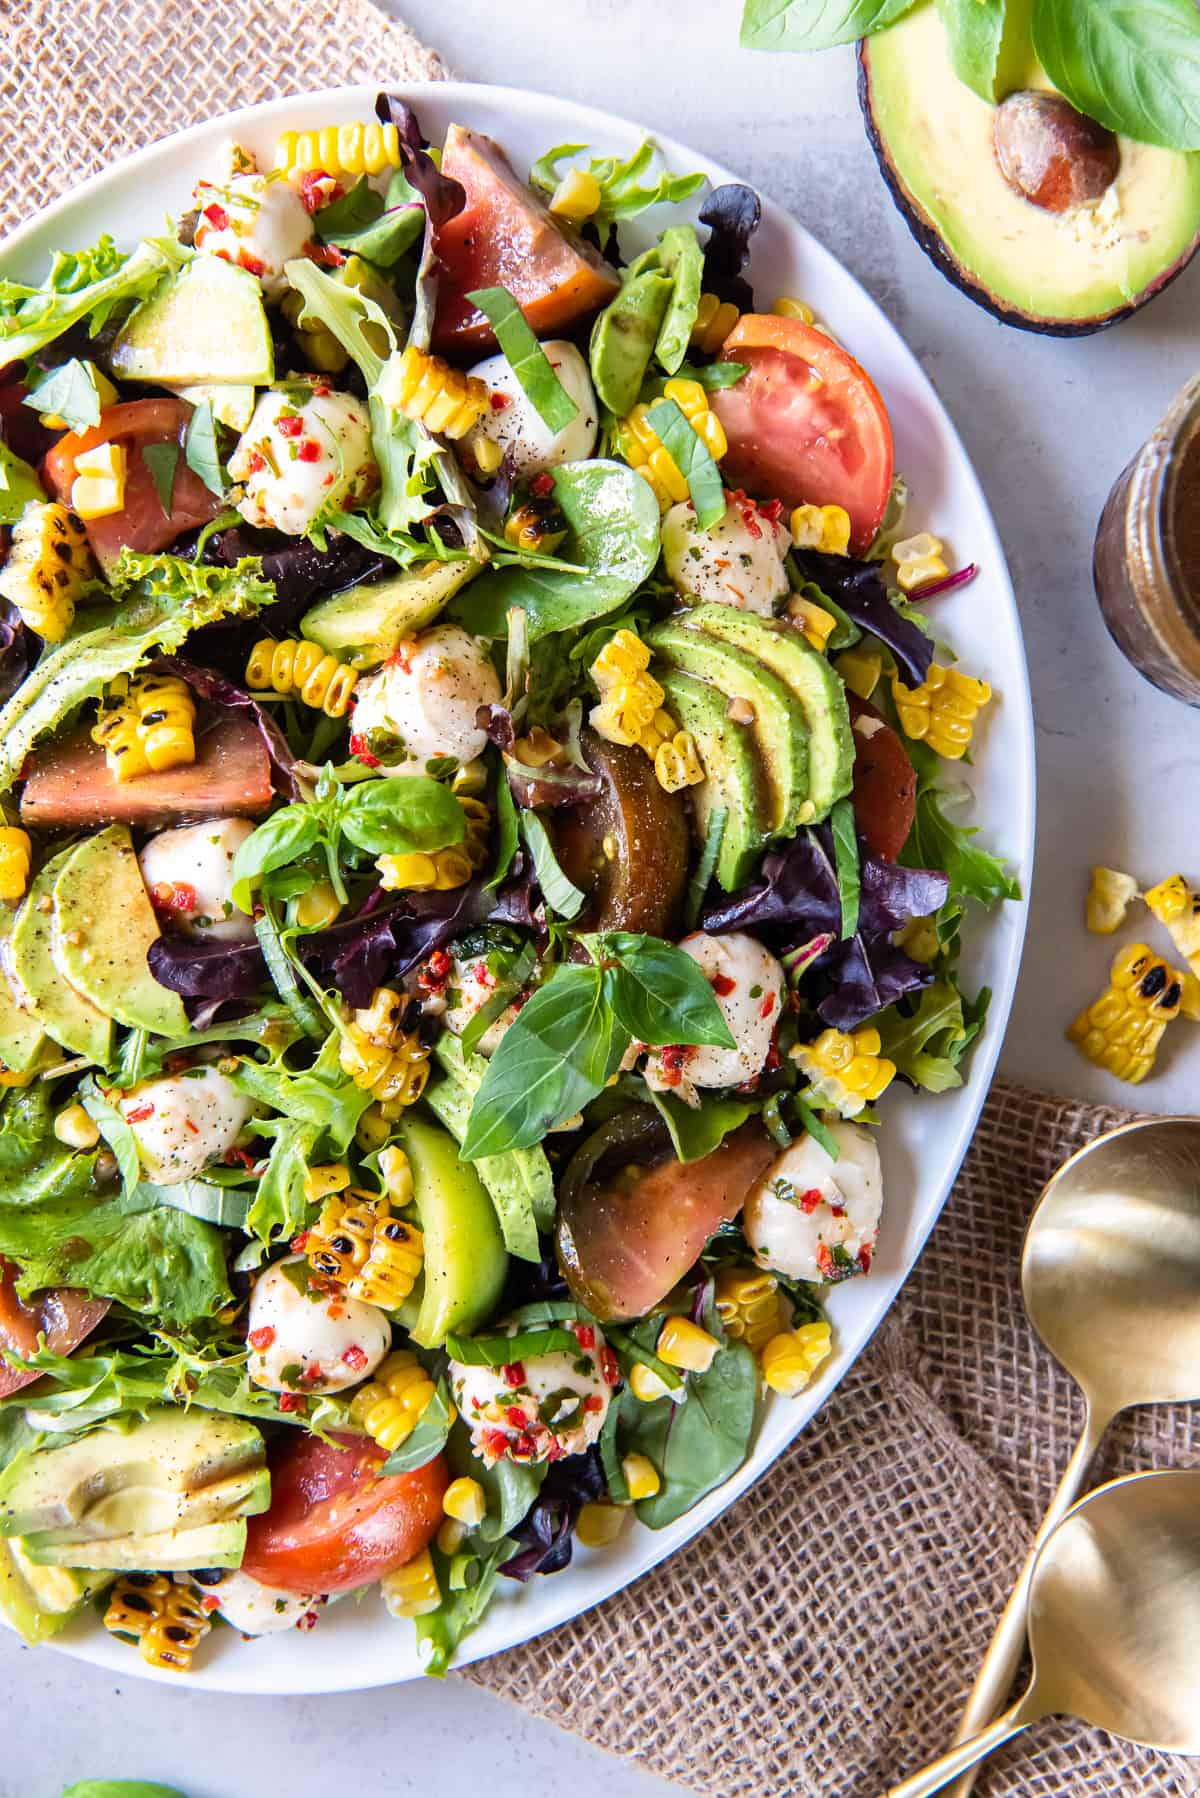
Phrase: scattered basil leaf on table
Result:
[526,357]
[119,1788]
[68,392]
[693,458]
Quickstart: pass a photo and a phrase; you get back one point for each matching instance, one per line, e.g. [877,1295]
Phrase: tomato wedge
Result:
[885,782]
[805,423]
[505,236]
[62,1314]
[333,1523]
[142,523]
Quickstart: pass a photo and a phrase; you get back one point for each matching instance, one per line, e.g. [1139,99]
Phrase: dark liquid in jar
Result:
[1187,518]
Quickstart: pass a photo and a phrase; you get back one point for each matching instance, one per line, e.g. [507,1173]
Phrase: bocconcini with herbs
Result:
[513,426]
[302,455]
[748,983]
[188,873]
[539,1408]
[307,1339]
[183,1121]
[739,561]
[813,1218]
[424,703]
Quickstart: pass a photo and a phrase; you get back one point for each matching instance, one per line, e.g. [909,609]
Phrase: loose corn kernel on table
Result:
[1049,425]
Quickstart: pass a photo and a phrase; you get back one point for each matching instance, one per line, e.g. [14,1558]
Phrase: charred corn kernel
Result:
[645,1384]
[488,455]
[98,489]
[465,1501]
[789,1360]
[715,319]
[340,1241]
[75,1128]
[919,939]
[537,526]
[105,392]
[599,1525]
[692,400]
[641,1477]
[845,1068]
[427,388]
[301,669]
[1122,1029]
[1109,897]
[381,1057]
[860,669]
[750,1305]
[172,1638]
[135,1601]
[116,729]
[383,1019]
[623,659]
[1189,1003]
[1175,904]
[942,710]
[391,1269]
[396,1175]
[451,1536]
[339,150]
[48,567]
[15,856]
[166,719]
[918,559]
[389,1407]
[539,750]
[826,528]
[320,1182]
[412,1590]
[10,1077]
[786,307]
[816,624]
[576,197]
[645,453]
[373,1130]
[317,907]
[677,764]
[471,780]
[681,1343]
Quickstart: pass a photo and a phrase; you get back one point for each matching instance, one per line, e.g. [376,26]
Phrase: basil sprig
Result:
[526,357]
[568,1041]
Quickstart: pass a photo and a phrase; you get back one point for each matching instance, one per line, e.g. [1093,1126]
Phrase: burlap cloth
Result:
[820,1638]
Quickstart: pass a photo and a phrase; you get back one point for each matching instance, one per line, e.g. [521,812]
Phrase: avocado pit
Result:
[1052,155]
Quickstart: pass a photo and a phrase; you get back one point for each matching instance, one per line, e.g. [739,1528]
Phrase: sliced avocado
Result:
[364,624]
[205,323]
[778,726]
[219,1544]
[1080,257]
[105,925]
[734,782]
[173,1469]
[465,1259]
[66,1016]
[39,1601]
[21,1035]
[815,683]
[232,403]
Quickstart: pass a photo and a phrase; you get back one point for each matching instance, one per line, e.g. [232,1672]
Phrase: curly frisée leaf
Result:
[83,285]
[623,194]
[355,319]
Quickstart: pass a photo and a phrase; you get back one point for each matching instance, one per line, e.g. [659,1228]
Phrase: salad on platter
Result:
[479,844]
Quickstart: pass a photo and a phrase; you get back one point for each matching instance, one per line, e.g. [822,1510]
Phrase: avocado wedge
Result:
[734,779]
[21,1035]
[41,984]
[205,323]
[105,925]
[219,1544]
[465,1258]
[40,1601]
[364,624]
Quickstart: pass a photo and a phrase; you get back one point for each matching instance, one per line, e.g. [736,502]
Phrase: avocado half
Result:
[1062,273]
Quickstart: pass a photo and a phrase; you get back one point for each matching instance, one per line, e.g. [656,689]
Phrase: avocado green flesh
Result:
[812,681]
[205,323]
[364,624]
[232,402]
[219,1544]
[40,1601]
[1079,269]
[65,1014]
[733,782]
[779,729]
[465,1258]
[21,1036]
[105,926]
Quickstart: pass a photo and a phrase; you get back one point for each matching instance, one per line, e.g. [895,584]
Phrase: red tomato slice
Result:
[506,237]
[333,1523]
[805,424]
[885,782]
[65,1316]
[141,524]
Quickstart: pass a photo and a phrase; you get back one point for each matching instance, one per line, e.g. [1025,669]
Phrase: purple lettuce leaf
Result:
[857,587]
[443,196]
[733,214]
[18,649]
[218,690]
[301,573]
[208,976]
[546,1530]
[862,976]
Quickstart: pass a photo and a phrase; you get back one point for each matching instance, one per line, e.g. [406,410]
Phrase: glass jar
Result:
[1147,560]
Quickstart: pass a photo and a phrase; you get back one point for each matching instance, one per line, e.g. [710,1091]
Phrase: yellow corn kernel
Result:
[826,528]
[105,392]
[622,660]
[466,1502]
[681,1343]
[789,1360]
[389,1407]
[117,730]
[538,526]
[860,669]
[412,1590]
[599,1525]
[381,1057]
[919,939]
[750,1305]
[643,449]
[715,319]
[1109,898]
[393,1265]
[425,387]
[301,670]
[645,1384]
[339,150]
[641,1477]
[317,907]
[792,308]
[539,750]
[168,1621]
[98,489]
[15,856]
[677,764]
[48,568]
[134,1602]
[1175,904]
[320,1182]
[919,560]
[816,624]
[396,1175]
[74,1128]
[942,711]
[1121,1030]
[447,868]
[845,1069]
[340,1241]
[166,718]
[1189,1003]
[488,454]
[576,197]
[373,1130]
[693,401]
[451,1536]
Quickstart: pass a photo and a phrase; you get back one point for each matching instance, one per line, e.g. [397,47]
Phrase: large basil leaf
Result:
[976,31]
[405,815]
[697,1130]
[814,24]
[660,994]
[1132,64]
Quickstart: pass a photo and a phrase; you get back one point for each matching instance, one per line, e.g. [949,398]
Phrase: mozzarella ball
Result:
[814,1218]
[309,1339]
[181,1122]
[539,1409]
[423,703]
[189,876]
[737,562]
[519,428]
[469,986]
[257,1610]
[748,984]
[297,454]
[254,221]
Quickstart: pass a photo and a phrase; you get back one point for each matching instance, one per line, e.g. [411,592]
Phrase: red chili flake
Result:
[542,485]
[808,1201]
[555,1450]
[524,1448]
[722,985]
[210,1602]
[140,1115]
[322,390]
[401,657]
[825,1263]
[516,1417]
[311,1374]
[513,1373]
[256,462]
[250,263]
[308,1621]
[434,976]
[864,1258]
[355,1357]
[838,1210]
[217,216]
[309,451]
[358,747]
[328,481]
[194,1128]
[673,1059]
[593,1402]
[585,1336]
[300,1243]
[292,1401]
[774,1059]
[499,401]
[767,1006]
[262,1339]
[610,1367]
[289,424]
[239,1158]
[318,188]
[771,510]
[494,1443]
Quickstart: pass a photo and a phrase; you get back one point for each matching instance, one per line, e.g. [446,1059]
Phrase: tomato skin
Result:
[885,784]
[141,524]
[332,1523]
[781,426]
[66,1317]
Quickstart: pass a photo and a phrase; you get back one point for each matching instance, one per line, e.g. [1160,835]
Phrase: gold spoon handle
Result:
[966,1754]
[994,1679]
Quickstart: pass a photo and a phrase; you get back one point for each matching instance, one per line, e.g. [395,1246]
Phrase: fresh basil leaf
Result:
[1135,68]
[162,459]
[18,485]
[697,1444]
[683,259]
[845,850]
[120,1788]
[610,1458]
[427,1440]
[507,834]
[200,448]
[503,1351]
[560,894]
[366,224]
[407,814]
[702,873]
[975,31]
[115,1131]
[693,458]
[697,1130]
[526,357]
[284,837]
[634,1351]
[659,994]
[820,1132]
[622,196]
[68,392]
[815,24]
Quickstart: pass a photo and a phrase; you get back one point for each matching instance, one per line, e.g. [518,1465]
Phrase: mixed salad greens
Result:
[475,854]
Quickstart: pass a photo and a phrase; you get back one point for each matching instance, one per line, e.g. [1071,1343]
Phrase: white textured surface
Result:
[1049,425]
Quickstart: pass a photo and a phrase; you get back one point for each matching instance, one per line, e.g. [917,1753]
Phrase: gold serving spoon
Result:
[1114,1625]
[1111,1278]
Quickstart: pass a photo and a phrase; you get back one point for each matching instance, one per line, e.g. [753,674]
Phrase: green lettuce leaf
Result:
[928,1047]
[623,191]
[85,285]
[34,1165]
[935,842]
[18,485]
